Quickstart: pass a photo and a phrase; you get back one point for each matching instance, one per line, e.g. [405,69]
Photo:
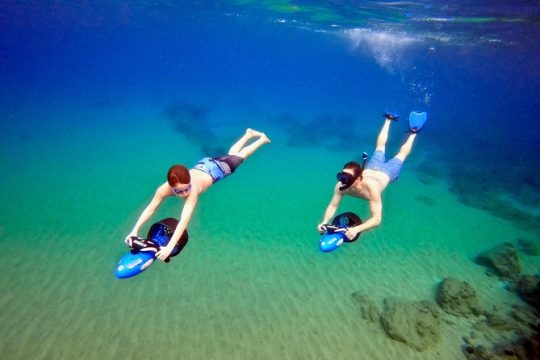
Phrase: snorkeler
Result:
[369,181]
[189,184]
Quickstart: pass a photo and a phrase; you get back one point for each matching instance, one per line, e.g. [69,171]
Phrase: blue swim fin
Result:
[416,121]
[391,116]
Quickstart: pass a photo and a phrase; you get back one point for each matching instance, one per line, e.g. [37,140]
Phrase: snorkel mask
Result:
[348,179]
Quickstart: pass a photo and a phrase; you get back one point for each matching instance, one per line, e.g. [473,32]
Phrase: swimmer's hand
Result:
[349,232]
[129,239]
[321,228]
[164,252]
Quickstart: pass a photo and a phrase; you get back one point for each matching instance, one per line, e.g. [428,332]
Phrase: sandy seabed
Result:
[251,283]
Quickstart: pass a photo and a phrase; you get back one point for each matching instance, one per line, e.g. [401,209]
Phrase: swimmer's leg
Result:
[406,148]
[383,136]
[241,149]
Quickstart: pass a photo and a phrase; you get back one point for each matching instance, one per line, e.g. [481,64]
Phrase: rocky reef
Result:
[501,260]
[502,333]
[458,298]
[416,324]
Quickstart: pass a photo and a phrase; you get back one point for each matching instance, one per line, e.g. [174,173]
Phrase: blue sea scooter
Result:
[334,235]
[143,251]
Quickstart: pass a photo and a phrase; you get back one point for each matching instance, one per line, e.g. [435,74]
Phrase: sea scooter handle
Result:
[139,244]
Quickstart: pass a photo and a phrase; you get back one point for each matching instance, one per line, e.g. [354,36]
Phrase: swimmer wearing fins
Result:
[189,184]
[369,181]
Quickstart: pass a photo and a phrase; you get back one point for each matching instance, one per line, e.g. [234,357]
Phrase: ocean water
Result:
[98,100]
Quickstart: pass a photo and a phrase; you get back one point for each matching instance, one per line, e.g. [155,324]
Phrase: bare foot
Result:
[251,132]
[264,138]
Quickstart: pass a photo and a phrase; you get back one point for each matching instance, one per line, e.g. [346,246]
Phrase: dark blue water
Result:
[306,68]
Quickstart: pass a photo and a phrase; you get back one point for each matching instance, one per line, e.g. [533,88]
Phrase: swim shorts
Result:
[219,167]
[392,168]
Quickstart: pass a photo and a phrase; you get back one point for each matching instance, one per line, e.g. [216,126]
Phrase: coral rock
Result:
[416,324]
[503,260]
[458,298]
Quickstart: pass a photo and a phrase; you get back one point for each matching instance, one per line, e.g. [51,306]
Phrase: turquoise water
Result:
[95,107]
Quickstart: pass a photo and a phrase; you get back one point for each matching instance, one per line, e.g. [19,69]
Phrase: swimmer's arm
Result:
[375,207]
[185,217]
[161,193]
[332,206]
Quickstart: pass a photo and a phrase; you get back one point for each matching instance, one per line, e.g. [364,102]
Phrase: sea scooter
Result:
[334,235]
[143,251]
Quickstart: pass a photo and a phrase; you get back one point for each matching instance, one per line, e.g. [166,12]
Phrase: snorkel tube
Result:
[364,159]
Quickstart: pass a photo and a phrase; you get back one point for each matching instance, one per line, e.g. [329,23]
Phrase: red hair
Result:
[178,174]
[355,167]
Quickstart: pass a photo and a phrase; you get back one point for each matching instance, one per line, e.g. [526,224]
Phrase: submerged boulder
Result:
[502,260]
[458,298]
[479,352]
[368,309]
[416,324]
[528,289]
[521,348]
[498,321]
[525,315]
[529,247]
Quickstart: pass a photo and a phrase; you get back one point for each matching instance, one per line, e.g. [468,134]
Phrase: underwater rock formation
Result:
[479,352]
[528,288]
[524,315]
[529,247]
[368,309]
[331,130]
[430,173]
[502,260]
[525,348]
[506,336]
[458,298]
[485,191]
[498,321]
[416,324]
[192,121]
[498,334]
